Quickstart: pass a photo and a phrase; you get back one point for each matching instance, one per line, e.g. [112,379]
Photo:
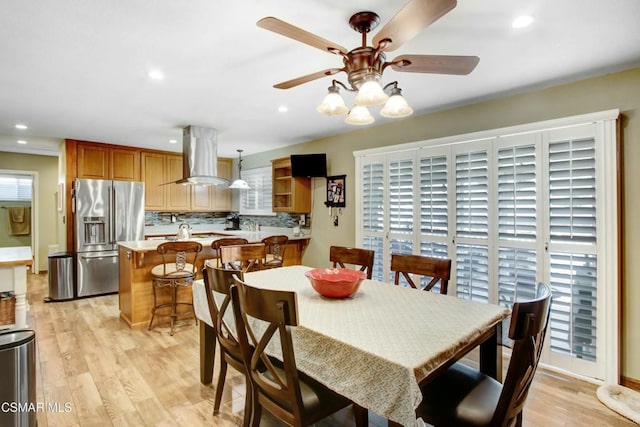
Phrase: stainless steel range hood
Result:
[200,161]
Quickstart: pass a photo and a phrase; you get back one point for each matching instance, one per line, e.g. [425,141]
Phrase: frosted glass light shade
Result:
[333,104]
[371,94]
[240,184]
[359,115]
[396,107]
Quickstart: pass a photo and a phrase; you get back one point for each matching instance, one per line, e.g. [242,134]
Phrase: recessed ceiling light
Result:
[173,141]
[155,75]
[283,109]
[21,126]
[522,21]
[22,141]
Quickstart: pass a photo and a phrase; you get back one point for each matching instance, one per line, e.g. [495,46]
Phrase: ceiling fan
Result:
[365,63]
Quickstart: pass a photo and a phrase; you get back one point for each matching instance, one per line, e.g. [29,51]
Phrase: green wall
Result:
[44,201]
[615,91]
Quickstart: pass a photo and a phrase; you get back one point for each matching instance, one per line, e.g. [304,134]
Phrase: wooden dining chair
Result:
[275,247]
[218,281]
[247,257]
[225,241]
[340,255]
[439,269]
[462,396]
[279,388]
[178,269]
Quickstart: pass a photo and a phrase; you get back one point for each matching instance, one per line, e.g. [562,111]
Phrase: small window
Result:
[15,187]
[257,200]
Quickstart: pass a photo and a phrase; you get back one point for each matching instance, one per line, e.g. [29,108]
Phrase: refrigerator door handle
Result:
[93,256]
[112,221]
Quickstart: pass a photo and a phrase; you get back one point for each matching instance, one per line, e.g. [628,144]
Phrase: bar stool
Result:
[178,269]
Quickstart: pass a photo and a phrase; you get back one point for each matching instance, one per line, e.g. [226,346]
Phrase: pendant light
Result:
[239,183]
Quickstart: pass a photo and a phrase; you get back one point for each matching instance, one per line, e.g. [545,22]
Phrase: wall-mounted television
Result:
[309,165]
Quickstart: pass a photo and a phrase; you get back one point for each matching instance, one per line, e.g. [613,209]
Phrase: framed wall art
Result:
[336,188]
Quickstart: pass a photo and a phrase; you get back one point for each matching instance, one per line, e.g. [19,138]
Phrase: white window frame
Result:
[607,217]
[263,193]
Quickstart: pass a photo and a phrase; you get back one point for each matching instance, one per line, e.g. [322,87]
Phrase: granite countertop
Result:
[251,236]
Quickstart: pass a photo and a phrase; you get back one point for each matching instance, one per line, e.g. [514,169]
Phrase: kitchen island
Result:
[13,277]
[137,258]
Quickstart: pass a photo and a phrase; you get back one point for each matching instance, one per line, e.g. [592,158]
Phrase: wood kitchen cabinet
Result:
[102,161]
[208,198]
[158,170]
[289,194]
[153,167]
[178,195]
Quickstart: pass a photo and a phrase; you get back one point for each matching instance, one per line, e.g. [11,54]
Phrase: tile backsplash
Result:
[281,219]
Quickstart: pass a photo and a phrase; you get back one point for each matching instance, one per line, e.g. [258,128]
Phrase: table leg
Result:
[491,355]
[207,352]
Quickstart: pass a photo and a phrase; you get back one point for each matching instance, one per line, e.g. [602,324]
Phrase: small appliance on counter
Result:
[184,231]
[233,222]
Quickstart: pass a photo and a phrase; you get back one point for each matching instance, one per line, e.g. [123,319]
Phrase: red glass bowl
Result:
[335,282]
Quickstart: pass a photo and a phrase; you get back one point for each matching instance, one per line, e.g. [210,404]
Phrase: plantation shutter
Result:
[373,216]
[572,231]
[258,199]
[472,224]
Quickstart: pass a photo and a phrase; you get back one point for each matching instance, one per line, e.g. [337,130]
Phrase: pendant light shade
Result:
[371,94]
[396,107]
[333,104]
[239,183]
[359,115]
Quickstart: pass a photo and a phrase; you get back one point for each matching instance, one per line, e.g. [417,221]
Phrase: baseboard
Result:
[631,383]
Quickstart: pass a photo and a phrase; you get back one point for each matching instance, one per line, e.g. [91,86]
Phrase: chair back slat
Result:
[179,254]
[438,269]
[340,256]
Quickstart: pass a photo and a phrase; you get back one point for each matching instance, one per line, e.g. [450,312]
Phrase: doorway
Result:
[18,211]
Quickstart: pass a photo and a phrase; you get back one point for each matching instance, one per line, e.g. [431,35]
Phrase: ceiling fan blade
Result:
[414,17]
[277,26]
[309,77]
[436,64]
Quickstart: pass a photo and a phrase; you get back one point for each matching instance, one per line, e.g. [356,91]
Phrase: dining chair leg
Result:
[220,386]
[361,415]
[207,352]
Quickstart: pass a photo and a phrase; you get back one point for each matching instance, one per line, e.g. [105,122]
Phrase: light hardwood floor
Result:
[111,375]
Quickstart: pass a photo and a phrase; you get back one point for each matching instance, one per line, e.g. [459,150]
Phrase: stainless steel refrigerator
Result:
[106,212]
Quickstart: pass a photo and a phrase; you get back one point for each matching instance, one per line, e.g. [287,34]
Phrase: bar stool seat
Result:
[178,269]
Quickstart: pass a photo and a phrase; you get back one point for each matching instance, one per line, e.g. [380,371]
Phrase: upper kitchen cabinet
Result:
[158,171]
[209,198]
[289,194]
[102,161]
[153,174]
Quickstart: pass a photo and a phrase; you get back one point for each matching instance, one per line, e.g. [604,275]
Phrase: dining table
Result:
[377,346]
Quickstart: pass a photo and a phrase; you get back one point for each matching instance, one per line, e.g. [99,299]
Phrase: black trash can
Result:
[18,391]
[60,277]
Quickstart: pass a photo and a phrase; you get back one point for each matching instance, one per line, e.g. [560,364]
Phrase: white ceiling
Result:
[77,68]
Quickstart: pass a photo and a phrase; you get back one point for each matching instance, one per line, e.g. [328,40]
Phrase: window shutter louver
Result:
[401,196]
[472,195]
[517,193]
[434,196]
[258,199]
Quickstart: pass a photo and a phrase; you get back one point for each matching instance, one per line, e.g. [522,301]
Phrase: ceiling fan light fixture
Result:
[333,104]
[396,107]
[359,116]
[371,94]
